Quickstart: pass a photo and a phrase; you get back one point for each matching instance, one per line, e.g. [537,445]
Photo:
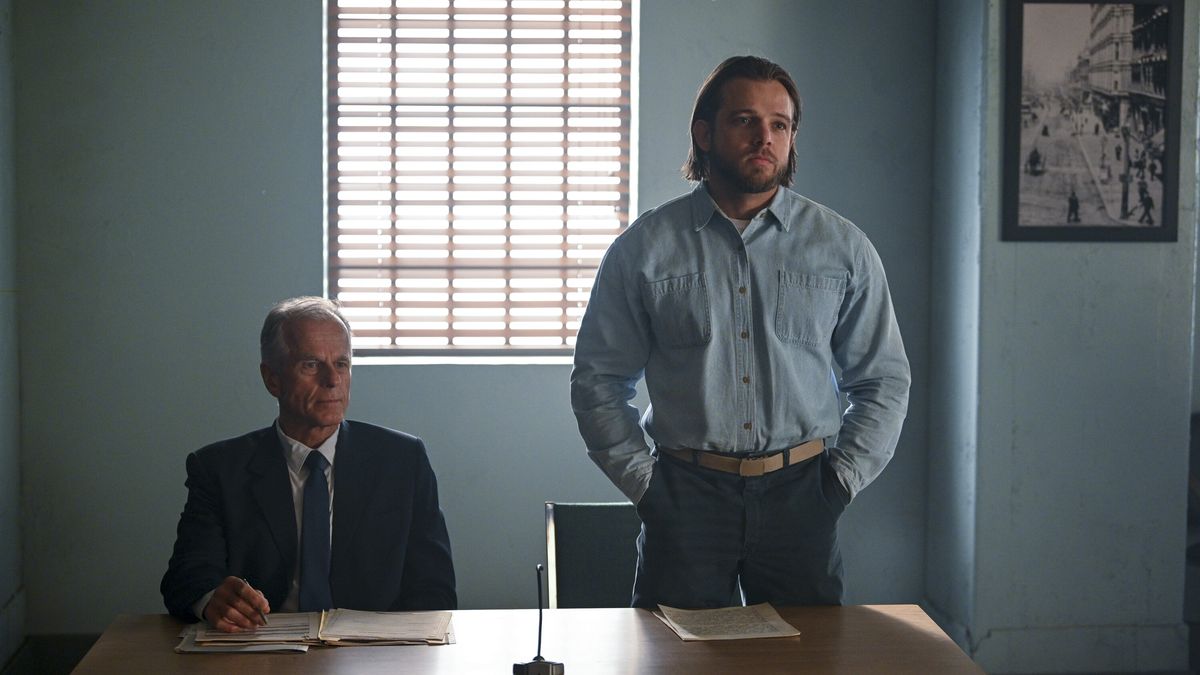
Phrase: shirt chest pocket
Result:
[678,310]
[808,307]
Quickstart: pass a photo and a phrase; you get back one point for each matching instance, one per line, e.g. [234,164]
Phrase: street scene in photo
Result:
[1093,113]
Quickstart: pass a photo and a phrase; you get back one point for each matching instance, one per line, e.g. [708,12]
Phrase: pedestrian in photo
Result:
[1147,203]
[1072,207]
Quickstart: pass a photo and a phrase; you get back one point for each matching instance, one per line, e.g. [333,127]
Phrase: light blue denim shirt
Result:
[744,340]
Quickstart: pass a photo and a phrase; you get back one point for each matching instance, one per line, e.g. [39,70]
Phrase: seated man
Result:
[315,511]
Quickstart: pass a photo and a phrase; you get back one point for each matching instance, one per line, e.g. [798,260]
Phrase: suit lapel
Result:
[272,490]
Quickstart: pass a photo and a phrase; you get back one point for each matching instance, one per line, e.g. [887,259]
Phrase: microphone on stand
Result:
[538,666]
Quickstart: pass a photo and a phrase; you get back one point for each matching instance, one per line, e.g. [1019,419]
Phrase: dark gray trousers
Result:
[705,533]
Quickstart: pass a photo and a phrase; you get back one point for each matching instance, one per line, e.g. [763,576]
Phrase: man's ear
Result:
[701,136]
[270,379]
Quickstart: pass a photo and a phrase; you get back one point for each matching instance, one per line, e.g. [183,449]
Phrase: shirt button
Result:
[746,379]
[745,334]
[746,425]
[742,290]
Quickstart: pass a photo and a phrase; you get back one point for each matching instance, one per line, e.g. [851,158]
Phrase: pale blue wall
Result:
[12,609]
[169,174]
[1083,420]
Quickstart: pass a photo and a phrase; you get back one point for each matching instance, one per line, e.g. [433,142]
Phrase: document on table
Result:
[284,633]
[290,627]
[188,645]
[726,623]
[350,627]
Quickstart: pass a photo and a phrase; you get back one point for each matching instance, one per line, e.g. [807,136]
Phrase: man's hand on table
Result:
[236,606]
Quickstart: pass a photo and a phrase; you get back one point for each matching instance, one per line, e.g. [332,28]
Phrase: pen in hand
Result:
[261,617]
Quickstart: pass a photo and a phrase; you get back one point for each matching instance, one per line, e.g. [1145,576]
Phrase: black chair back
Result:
[591,551]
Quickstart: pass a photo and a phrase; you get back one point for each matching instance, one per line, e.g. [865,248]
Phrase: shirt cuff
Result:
[201,604]
[639,484]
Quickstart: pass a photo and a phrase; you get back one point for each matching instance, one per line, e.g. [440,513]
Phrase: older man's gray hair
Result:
[273,346]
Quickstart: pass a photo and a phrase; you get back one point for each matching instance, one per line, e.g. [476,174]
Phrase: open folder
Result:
[337,627]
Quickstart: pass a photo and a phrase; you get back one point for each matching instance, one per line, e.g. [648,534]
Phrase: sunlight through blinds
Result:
[478,168]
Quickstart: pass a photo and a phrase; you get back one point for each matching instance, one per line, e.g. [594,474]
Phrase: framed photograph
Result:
[1091,120]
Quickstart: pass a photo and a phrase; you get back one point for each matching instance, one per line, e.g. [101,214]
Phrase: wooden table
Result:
[858,639]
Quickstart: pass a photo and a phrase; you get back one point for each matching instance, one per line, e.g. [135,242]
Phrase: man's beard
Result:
[745,181]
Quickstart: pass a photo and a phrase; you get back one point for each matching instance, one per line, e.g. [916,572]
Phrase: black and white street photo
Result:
[1094,148]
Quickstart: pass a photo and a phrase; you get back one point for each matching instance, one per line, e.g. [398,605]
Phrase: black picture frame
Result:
[1091,120]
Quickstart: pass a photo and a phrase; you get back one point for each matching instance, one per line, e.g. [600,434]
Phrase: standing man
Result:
[1147,203]
[314,511]
[747,308]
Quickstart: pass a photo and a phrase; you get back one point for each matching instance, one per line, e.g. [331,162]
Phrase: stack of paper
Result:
[352,627]
[726,623]
[284,632]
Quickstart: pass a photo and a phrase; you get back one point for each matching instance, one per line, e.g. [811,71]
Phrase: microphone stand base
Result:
[538,667]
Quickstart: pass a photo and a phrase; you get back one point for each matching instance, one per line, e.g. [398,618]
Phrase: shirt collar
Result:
[704,209]
[296,452]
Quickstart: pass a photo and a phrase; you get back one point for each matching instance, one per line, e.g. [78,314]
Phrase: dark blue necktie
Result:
[314,538]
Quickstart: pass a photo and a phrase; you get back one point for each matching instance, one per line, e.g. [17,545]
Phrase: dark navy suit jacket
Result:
[390,550]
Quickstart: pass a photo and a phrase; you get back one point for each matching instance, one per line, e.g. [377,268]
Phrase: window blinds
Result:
[478,168]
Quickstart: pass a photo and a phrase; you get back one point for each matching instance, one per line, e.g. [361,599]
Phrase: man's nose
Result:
[330,376]
[762,133]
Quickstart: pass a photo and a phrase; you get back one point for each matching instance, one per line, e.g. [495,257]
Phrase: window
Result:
[478,168]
